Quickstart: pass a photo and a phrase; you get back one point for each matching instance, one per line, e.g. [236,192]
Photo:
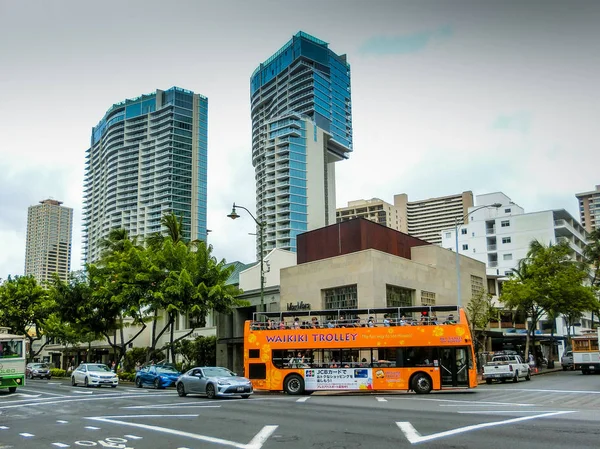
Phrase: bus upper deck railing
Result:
[375,317]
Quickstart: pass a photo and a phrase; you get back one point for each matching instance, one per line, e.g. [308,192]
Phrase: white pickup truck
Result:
[503,367]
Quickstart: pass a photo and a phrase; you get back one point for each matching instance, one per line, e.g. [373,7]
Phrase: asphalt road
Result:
[551,411]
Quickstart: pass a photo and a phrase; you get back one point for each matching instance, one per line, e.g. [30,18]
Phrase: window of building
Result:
[476,286]
[507,256]
[447,233]
[508,273]
[507,211]
[463,231]
[341,297]
[398,296]
[427,298]
[465,247]
[506,239]
[505,223]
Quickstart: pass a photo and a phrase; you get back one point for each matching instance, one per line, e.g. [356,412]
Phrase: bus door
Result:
[454,367]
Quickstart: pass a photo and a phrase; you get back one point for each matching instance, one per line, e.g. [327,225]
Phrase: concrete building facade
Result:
[301,126]
[423,219]
[148,157]
[49,235]
[589,209]
[375,210]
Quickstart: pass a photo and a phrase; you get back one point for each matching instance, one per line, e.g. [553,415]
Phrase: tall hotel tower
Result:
[147,158]
[301,126]
[48,247]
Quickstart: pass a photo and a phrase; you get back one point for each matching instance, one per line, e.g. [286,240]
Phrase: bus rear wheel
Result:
[421,383]
[293,384]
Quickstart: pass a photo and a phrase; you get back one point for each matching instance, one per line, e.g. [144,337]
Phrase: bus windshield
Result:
[11,349]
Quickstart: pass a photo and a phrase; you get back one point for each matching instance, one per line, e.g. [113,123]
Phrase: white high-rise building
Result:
[48,247]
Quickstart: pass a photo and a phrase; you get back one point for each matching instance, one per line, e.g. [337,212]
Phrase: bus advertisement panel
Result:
[12,362]
[413,348]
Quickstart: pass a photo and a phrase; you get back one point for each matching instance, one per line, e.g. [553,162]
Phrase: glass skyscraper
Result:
[301,125]
[148,157]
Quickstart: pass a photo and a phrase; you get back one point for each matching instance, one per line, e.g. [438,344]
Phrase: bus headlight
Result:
[19,380]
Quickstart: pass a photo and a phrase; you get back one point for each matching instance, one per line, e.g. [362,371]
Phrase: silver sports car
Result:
[213,381]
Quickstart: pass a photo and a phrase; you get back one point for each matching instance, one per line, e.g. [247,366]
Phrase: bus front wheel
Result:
[12,389]
[421,383]
[293,384]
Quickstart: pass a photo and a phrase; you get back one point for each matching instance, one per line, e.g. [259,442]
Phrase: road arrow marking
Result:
[304,399]
[256,443]
[381,399]
[414,437]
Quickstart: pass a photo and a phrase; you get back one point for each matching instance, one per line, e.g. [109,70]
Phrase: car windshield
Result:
[217,372]
[98,368]
[166,370]
[39,365]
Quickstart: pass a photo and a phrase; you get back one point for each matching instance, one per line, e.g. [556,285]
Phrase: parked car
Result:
[566,361]
[506,366]
[159,376]
[40,370]
[94,374]
[213,381]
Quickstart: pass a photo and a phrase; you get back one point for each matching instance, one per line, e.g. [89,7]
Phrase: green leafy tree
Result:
[547,282]
[201,351]
[25,308]
[480,311]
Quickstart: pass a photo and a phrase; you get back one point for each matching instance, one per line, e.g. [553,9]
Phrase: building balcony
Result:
[491,230]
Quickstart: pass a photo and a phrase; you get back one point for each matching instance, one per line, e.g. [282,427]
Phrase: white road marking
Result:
[92,428]
[479,412]
[413,436]
[546,391]
[171,406]
[4,428]
[60,421]
[54,383]
[82,391]
[467,402]
[60,445]
[381,399]
[133,437]
[46,401]
[28,395]
[27,435]
[143,416]
[256,442]
[304,399]
[487,404]
[51,394]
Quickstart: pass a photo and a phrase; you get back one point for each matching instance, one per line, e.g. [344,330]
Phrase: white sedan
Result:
[94,374]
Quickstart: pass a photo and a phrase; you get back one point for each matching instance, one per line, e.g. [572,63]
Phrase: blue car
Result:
[159,376]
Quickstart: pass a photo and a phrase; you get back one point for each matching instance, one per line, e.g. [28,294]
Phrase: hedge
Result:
[57,372]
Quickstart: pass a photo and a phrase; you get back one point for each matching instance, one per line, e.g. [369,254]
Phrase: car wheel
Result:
[210,391]
[421,384]
[181,390]
[528,377]
[138,382]
[113,386]
[245,396]
[157,383]
[294,384]
[564,367]
[73,381]
[488,381]
[29,376]
[85,382]
[516,378]
[49,377]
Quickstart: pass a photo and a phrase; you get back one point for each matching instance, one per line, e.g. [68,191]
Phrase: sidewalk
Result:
[534,372]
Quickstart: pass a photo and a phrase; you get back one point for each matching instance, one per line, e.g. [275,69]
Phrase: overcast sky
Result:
[447,96]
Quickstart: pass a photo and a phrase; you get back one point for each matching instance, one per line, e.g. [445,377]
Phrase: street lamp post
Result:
[261,226]
[456,227]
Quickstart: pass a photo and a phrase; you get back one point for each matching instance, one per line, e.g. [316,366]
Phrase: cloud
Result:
[520,122]
[404,44]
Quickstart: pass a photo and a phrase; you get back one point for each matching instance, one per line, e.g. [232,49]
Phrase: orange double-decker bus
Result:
[409,348]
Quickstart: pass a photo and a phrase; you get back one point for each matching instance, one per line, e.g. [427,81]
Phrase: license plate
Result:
[240,388]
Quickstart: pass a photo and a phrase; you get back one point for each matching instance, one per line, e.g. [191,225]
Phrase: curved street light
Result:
[456,227]
[233,215]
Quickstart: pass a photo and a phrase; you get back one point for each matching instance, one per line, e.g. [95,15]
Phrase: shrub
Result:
[57,372]
[127,377]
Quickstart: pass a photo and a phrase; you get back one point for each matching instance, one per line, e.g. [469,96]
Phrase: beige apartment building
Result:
[423,219]
[48,246]
[589,209]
